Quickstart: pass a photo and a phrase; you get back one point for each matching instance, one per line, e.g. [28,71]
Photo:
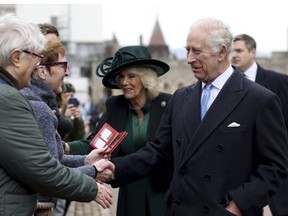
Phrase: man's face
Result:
[242,58]
[204,64]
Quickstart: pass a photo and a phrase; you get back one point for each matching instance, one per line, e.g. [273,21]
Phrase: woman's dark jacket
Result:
[117,108]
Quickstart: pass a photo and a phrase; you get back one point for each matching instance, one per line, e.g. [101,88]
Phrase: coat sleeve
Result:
[25,158]
[79,147]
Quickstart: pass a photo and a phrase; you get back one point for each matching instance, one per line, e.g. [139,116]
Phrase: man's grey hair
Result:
[218,34]
[18,34]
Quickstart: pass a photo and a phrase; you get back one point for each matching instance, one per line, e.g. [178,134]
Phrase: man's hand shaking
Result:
[106,171]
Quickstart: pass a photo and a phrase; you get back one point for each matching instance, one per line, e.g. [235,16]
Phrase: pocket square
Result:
[234,124]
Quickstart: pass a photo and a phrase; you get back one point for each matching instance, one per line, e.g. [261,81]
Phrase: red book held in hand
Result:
[107,138]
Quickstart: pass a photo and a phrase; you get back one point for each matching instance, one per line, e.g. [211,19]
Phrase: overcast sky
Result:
[266,20]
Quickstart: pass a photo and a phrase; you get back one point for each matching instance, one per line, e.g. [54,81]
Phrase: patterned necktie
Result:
[205,98]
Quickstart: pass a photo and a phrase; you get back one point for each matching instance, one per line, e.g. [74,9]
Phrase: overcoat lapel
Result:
[117,120]
[261,76]
[228,98]
[157,106]
[191,109]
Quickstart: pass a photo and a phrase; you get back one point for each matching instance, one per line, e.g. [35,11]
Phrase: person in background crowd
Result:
[85,112]
[26,166]
[138,111]
[70,107]
[225,135]
[50,31]
[244,58]
[96,112]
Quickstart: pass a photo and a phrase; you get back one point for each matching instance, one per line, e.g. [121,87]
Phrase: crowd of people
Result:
[218,146]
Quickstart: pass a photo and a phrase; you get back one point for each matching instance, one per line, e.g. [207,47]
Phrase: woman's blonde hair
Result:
[149,79]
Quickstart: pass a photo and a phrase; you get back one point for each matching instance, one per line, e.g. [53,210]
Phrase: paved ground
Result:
[93,209]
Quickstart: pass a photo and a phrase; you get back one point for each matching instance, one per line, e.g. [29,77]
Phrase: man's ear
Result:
[222,53]
[15,57]
[253,52]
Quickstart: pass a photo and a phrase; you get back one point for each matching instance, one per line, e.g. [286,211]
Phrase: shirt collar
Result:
[251,72]
[221,80]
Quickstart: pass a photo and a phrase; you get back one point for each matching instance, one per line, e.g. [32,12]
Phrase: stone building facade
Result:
[83,58]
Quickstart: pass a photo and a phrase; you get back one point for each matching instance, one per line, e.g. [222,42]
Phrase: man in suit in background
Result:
[244,58]
[231,159]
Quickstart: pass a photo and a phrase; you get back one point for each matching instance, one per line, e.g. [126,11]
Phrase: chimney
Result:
[141,40]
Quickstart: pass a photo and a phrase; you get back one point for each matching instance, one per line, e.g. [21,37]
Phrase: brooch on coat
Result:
[163,103]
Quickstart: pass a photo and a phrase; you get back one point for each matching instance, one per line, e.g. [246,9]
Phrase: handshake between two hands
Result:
[105,173]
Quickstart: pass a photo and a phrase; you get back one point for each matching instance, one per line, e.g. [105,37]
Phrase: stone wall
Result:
[278,62]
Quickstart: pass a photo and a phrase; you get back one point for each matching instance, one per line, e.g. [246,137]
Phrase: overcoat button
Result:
[205,209]
[181,172]
[178,203]
[219,148]
[207,177]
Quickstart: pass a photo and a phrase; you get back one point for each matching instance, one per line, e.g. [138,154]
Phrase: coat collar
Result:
[192,109]
[261,76]
[8,78]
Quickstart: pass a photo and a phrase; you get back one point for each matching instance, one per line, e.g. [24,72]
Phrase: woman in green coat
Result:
[138,111]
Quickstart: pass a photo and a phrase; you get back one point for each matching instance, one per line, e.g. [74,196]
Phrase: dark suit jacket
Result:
[278,83]
[213,162]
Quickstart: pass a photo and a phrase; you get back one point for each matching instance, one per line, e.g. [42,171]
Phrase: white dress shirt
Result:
[251,72]
[218,83]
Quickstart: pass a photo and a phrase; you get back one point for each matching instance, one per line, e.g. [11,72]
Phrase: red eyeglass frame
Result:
[65,63]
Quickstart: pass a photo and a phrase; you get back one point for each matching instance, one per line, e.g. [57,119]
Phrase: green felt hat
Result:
[129,56]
